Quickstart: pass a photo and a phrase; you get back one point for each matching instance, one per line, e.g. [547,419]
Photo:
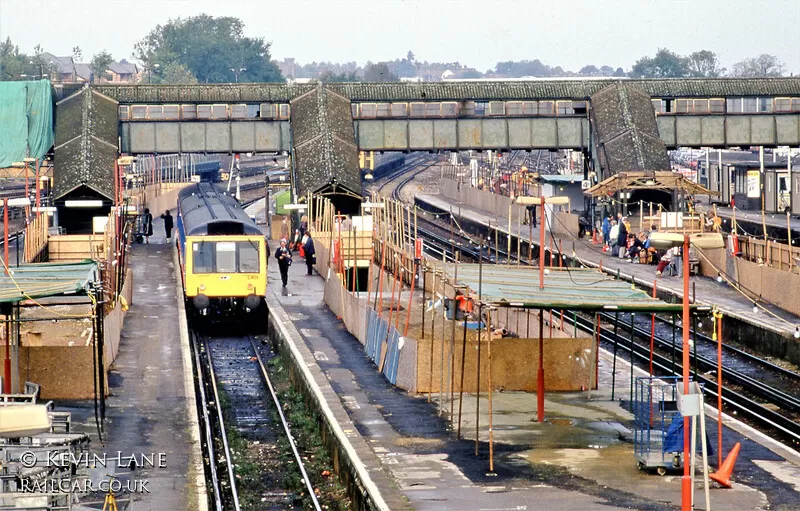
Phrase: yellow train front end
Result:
[225,273]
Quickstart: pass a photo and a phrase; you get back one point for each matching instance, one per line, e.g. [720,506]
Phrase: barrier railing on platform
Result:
[36,234]
[770,253]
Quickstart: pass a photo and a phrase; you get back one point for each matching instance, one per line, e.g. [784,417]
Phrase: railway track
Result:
[753,388]
[235,394]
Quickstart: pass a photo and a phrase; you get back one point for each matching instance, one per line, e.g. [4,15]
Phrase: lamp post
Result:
[150,72]
[236,72]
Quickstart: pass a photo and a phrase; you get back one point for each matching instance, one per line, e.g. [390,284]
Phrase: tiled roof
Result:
[123,67]
[204,93]
[64,65]
[83,71]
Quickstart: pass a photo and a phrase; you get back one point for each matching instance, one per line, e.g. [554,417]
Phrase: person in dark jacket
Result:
[308,249]
[168,225]
[284,257]
[622,238]
[147,225]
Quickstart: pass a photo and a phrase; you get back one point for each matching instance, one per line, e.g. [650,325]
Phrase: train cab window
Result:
[248,257]
[383,110]
[226,257]
[203,257]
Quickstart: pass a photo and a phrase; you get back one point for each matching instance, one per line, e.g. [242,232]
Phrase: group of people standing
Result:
[301,242]
[630,246]
[147,225]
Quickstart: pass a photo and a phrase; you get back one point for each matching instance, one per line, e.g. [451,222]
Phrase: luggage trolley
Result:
[655,408]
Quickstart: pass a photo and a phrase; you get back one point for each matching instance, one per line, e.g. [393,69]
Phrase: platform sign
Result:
[753,184]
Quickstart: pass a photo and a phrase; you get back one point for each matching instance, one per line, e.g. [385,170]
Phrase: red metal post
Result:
[686,481]
[718,318]
[26,180]
[5,234]
[540,373]
[38,187]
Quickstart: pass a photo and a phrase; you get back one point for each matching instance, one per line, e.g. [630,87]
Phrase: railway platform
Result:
[581,457]
[150,409]
[708,291]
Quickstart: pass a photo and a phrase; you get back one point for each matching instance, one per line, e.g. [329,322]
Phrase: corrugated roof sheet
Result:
[204,93]
[570,289]
[46,279]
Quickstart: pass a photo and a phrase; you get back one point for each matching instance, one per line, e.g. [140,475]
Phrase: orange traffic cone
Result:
[723,474]
[594,237]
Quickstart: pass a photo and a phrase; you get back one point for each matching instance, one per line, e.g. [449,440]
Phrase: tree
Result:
[704,63]
[606,71]
[172,72]
[100,63]
[665,64]
[379,73]
[208,48]
[330,76]
[763,66]
[589,70]
[77,53]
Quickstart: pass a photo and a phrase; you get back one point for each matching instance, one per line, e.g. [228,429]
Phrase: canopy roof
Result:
[572,289]
[46,279]
[652,180]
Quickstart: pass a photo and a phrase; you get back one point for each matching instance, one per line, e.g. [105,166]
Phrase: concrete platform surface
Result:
[580,458]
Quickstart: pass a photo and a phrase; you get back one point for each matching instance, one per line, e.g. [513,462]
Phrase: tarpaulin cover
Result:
[26,120]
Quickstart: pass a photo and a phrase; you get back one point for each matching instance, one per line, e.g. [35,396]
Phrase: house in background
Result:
[121,72]
[61,69]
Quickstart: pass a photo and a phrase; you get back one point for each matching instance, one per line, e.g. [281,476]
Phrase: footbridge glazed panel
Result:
[769,130]
[202,137]
[462,134]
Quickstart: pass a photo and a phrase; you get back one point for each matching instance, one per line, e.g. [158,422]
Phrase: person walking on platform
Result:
[308,248]
[284,257]
[147,225]
[168,225]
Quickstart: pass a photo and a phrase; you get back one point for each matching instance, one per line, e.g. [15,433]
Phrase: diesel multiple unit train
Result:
[223,253]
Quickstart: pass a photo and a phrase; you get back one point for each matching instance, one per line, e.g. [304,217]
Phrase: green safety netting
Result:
[26,120]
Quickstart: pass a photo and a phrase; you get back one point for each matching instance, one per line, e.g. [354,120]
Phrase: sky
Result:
[477,33]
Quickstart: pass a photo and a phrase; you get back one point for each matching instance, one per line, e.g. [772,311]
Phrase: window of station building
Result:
[204,111]
[749,105]
[530,107]
[700,106]
[383,110]
[252,111]
[781,105]
[138,112]
[579,107]
[683,106]
[481,108]
[284,111]
[546,107]
[564,108]
[497,107]
[270,111]
[734,105]
[417,110]
[433,109]
[658,106]
[354,111]
[468,108]
[765,104]
[368,110]
[188,111]
[399,109]
[172,112]
[450,109]
[716,106]
[124,113]
[238,111]
[219,111]
[513,107]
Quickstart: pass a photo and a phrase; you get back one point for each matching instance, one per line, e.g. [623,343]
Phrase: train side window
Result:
[226,257]
[202,257]
[248,257]
[716,106]
[734,105]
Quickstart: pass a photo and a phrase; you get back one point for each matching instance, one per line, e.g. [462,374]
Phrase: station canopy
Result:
[654,180]
[564,288]
[46,279]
